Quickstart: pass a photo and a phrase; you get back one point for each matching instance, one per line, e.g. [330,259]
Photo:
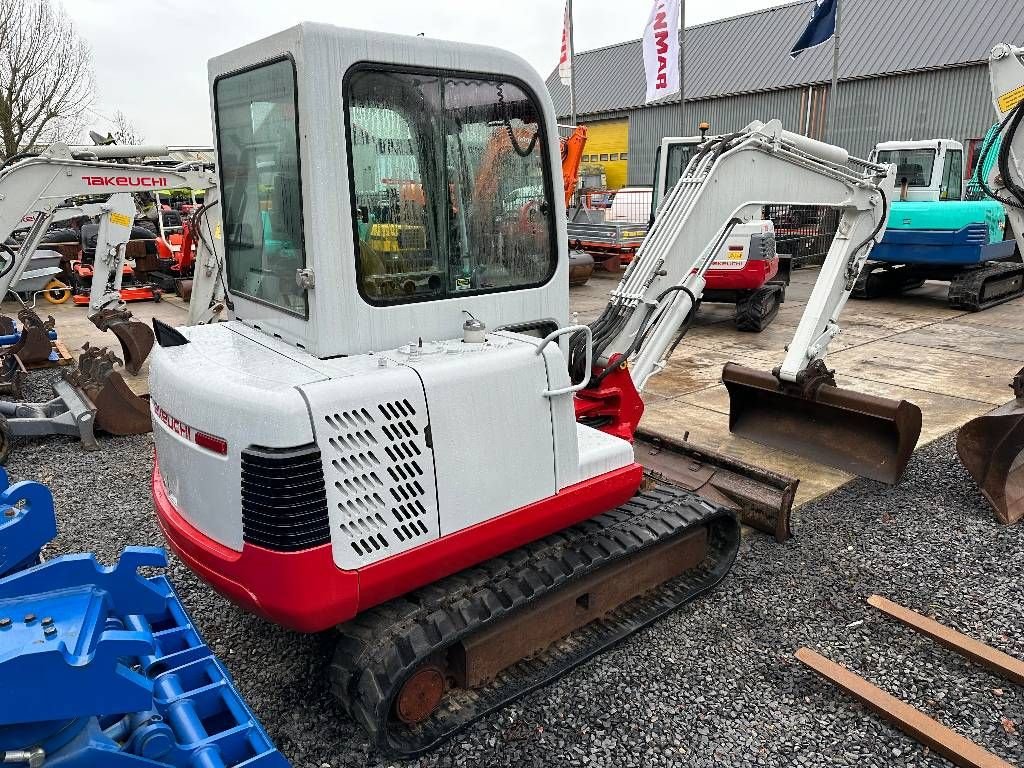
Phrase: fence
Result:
[804,232]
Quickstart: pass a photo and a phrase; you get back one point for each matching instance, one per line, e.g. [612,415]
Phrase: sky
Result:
[152,66]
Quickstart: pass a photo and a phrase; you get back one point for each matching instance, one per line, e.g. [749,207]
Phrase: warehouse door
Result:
[608,149]
[814,103]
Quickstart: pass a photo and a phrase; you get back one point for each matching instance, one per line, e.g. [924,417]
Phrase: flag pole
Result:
[572,65]
[833,94]
[682,68]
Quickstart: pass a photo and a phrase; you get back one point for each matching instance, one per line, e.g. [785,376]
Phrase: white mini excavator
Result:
[400,433]
[991,447]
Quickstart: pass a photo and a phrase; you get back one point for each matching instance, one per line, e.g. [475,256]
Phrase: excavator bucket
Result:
[119,411]
[33,347]
[136,338]
[991,448]
[862,434]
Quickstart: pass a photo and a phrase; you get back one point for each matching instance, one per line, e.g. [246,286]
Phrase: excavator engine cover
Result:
[136,338]
[991,448]
[862,434]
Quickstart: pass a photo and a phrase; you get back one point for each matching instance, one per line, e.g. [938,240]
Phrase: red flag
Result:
[565,62]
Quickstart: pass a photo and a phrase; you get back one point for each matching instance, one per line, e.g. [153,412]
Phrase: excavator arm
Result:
[797,406]
[729,182]
[1006,179]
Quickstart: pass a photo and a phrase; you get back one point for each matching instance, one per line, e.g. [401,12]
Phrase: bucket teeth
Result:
[136,338]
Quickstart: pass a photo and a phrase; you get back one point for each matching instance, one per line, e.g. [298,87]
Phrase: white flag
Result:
[565,62]
[661,50]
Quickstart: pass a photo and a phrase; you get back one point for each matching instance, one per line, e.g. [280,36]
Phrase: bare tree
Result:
[46,80]
[124,130]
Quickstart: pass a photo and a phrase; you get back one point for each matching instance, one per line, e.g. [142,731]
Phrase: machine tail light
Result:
[211,443]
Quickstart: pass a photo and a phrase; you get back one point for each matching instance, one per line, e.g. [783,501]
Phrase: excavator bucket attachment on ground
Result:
[862,434]
[136,338]
[119,411]
[12,375]
[991,448]
[763,499]
[33,347]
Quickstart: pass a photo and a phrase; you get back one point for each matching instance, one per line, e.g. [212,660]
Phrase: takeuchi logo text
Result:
[125,181]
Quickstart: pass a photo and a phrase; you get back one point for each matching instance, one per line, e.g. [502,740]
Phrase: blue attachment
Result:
[963,247]
[103,667]
[25,529]
[14,338]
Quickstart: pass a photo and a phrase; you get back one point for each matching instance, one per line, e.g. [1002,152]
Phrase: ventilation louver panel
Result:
[380,478]
[284,498]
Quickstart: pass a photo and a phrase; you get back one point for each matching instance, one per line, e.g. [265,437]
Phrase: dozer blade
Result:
[861,434]
[763,499]
[136,338]
[991,448]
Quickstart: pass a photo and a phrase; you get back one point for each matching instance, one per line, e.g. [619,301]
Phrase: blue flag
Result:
[820,28]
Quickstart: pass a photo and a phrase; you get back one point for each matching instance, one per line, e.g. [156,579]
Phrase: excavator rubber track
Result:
[756,312]
[878,279]
[979,289]
[402,656]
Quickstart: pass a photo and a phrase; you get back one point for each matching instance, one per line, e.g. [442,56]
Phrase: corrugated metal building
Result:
[907,70]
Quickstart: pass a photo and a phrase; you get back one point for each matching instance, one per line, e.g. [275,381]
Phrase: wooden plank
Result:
[1002,664]
[711,429]
[957,336]
[958,749]
[960,374]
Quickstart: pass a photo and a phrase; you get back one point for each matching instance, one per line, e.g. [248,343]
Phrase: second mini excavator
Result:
[438,461]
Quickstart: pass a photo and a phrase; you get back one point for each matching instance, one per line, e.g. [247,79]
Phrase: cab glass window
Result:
[914,165]
[952,176]
[258,158]
[450,186]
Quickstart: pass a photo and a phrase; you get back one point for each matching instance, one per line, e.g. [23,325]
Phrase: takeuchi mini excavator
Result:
[991,447]
[425,451]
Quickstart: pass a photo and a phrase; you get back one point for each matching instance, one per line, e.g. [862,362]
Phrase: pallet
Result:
[63,358]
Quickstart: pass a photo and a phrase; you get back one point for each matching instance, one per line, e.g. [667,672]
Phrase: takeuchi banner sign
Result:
[661,50]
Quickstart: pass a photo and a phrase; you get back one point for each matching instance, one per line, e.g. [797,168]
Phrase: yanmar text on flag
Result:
[565,61]
[661,50]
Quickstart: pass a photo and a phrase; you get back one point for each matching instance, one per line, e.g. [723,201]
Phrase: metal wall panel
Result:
[946,103]
[648,126]
[750,53]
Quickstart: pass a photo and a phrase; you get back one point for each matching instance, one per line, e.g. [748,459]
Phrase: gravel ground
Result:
[715,683]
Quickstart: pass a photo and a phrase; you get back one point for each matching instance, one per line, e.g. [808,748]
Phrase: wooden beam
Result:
[1003,665]
[912,721]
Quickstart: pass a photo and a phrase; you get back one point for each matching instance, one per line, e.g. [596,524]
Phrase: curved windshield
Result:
[914,165]
[450,186]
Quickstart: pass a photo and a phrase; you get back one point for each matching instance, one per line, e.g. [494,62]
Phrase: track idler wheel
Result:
[861,434]
[136,338]
[991,448]
[119,411]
